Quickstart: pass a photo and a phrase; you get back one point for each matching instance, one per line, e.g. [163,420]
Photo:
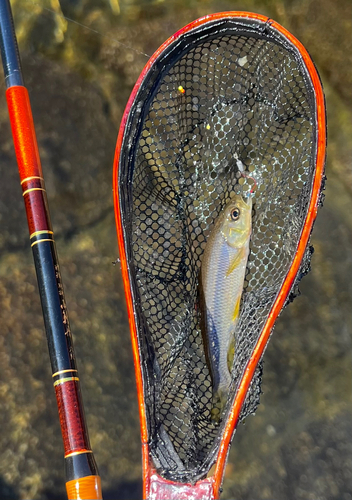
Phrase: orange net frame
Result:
[230,101]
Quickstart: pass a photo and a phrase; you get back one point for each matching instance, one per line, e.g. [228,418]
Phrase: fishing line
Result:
[88,28]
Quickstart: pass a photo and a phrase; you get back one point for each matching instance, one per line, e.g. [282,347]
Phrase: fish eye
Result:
[235,213]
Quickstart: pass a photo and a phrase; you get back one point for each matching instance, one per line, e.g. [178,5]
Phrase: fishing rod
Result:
[82,477]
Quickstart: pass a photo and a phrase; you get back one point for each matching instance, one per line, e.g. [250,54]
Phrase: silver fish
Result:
[222,276]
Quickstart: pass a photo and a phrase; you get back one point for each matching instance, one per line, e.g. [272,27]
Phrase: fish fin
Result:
[231,353]
[208,330]
[213,353]
[236,311]
[219,403]
[236,260]
[231,350]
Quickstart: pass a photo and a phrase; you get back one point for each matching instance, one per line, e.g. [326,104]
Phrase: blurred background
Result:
[80,73]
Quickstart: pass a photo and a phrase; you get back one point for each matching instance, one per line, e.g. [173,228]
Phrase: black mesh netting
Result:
[230,98]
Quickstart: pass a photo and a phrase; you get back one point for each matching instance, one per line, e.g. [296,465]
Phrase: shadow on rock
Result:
[7,492]
[125,491]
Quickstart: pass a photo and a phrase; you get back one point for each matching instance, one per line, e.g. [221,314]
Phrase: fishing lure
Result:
[222,276]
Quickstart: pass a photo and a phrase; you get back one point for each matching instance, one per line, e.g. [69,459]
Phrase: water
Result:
[299,445]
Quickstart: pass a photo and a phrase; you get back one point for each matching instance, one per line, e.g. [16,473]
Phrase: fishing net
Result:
[227,106]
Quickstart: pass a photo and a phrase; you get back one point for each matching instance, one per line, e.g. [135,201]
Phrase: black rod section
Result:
[8,45]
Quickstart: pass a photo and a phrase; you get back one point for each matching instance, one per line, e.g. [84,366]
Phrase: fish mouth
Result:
[248,198]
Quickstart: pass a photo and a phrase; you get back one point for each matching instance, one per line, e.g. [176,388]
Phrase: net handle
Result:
[217,478]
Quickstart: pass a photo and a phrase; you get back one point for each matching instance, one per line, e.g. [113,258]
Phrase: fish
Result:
[222,276]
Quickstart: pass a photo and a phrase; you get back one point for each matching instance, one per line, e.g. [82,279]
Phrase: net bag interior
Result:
[228,107]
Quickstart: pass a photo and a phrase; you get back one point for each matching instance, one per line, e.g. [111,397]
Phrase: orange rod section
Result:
[28,160]
[23,132]
[85,488]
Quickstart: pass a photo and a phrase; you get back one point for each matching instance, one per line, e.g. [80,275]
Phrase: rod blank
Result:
[82,479]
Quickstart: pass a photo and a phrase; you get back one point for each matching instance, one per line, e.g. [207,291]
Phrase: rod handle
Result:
[84,488]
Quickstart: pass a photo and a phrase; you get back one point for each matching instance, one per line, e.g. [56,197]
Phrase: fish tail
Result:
[220,396]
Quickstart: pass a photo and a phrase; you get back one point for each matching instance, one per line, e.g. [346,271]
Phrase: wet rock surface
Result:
[299,445]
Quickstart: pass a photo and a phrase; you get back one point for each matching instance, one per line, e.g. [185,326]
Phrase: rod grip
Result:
[84,488]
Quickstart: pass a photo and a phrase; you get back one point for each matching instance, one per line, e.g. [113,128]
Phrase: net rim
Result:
[290,277]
